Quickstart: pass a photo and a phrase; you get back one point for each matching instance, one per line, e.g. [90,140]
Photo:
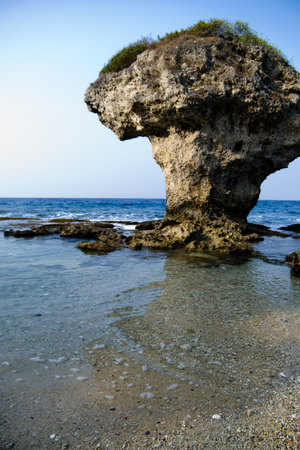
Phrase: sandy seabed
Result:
[212,363]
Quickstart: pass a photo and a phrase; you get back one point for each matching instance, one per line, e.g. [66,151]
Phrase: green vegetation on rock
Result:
[239,31]
[127,56]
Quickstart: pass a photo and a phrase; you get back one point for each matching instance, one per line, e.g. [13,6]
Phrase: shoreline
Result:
[234,344]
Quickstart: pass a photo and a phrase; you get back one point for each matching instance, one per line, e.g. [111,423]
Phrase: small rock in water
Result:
[141,407]
[36,358]
[282,375]
[81,378]
[144,368]
[6,363]
[52,436]
[98,346]
[129,385]
[162,345]
[74,369]
[250,412]
[187,347]
[181,366]
[146,395]
[56,360]
[216,416]
[109,397]
[173,386]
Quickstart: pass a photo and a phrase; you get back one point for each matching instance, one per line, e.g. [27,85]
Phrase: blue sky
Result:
[50,145]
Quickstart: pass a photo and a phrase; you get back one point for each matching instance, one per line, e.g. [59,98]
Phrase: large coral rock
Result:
[107,241]
[221,116]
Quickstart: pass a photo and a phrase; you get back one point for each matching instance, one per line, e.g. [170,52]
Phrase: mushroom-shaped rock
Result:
[221,116]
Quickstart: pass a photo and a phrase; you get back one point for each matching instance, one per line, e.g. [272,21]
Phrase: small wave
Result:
[127,227]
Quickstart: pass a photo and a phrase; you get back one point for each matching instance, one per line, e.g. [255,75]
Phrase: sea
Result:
[57,302]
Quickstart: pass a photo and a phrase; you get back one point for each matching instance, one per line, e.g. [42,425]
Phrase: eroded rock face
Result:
[294,259]
[221,116]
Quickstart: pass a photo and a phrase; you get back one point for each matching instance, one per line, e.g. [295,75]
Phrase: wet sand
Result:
[213,363]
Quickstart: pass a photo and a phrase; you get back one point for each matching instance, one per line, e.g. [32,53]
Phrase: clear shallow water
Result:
[54,297]
[46,284]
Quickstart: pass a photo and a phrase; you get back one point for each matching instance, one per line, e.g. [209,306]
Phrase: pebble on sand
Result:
[146,395]
[181,366]
[173,386]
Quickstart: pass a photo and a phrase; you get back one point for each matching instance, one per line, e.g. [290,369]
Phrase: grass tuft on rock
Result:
[125,57]
[238,31]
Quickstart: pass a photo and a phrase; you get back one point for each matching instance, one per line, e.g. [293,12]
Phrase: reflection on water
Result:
[212,318]
[68,289]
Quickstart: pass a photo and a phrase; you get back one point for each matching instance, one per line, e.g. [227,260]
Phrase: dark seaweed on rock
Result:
[295,228]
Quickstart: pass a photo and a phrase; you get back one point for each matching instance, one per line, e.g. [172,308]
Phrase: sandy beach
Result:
[213,363]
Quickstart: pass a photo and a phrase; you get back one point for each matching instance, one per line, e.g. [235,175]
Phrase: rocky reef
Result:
[102,237]
[221,116]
